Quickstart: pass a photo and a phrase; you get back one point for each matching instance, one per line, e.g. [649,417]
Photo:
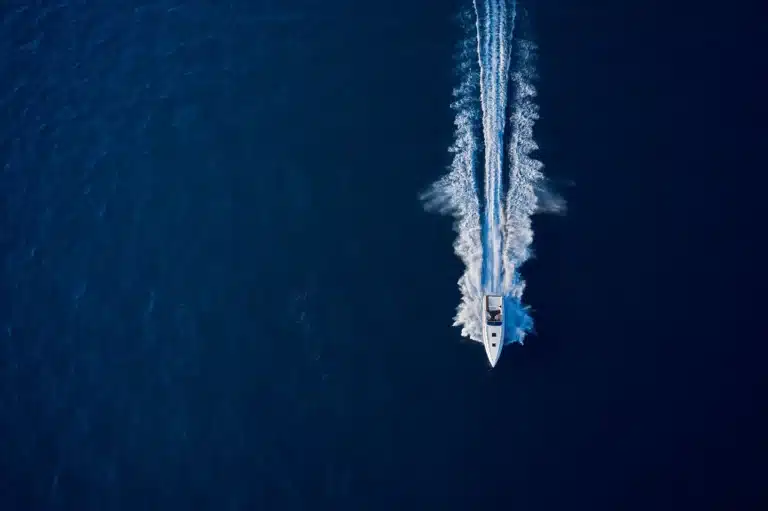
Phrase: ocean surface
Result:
[220,290]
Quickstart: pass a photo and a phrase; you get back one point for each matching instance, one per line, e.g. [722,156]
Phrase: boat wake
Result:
[494,228]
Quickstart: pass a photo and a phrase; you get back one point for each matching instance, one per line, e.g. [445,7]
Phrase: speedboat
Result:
[493,327]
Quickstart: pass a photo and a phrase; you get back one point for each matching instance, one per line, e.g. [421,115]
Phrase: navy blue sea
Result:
[219,288]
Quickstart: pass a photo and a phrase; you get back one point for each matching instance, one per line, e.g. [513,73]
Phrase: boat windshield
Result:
[494,316]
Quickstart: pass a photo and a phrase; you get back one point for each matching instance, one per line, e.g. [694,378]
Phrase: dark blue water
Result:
[220,291]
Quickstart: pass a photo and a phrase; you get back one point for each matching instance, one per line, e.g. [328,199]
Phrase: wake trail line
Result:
[494,233]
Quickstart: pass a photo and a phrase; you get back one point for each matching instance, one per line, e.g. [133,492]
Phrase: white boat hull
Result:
[493,327]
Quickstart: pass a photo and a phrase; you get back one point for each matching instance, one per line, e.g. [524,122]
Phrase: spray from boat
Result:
[493,223]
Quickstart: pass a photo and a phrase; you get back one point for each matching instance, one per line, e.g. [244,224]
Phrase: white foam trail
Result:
[494,68]
[493,240]
[456,192]
[524,173]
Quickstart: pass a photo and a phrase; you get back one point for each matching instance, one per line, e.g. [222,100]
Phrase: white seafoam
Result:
[493,239]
